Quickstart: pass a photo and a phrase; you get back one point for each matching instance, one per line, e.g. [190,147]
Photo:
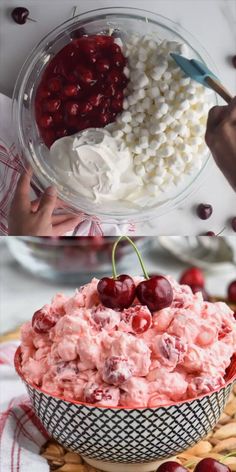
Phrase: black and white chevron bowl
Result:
[122,435]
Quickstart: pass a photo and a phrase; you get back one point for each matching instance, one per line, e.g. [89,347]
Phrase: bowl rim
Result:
[230,381]
[139,214]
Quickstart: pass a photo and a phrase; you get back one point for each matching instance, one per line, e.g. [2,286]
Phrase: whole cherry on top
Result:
[119,292]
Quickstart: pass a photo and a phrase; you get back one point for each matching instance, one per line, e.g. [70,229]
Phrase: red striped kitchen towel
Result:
[21,433]
[10,169]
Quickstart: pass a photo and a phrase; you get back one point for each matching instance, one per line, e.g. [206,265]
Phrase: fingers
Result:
[57,219]
[216,115]
[62,228]
[21,198]
[48,201]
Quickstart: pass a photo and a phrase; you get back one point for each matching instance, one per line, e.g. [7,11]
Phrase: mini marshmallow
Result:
[137,150]
[126,72]
[154,92]
[164,108]
[185,81]
[118,134]
[158,128]
[141,81]
[166,151]
[149,166]
[126,117]
[184,105]
[125,104]
[158,71]
[143,142]
[154,145]
[157,180]
[140,170]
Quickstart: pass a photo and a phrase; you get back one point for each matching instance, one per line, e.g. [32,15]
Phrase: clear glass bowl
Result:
[74,260]
[124,21]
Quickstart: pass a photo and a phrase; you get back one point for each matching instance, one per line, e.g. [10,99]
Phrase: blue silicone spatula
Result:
[198,71]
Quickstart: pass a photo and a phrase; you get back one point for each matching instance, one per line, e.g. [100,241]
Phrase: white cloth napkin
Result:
[10,169]
[21,433]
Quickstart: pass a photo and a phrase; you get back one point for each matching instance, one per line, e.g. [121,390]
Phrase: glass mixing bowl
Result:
[73,260]
[123,22]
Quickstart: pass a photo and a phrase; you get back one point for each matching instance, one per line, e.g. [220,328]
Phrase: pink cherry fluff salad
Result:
[79,349]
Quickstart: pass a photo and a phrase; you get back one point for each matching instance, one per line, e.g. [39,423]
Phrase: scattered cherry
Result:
[72,108]
[232,292]
[156,293]
[192,277]
[103,65]
[233,224]
[211,465]
[140,318]
[204,211]
[116,292]
[20,15]
[171,466]
[43,320]
[209,233]
[116,370]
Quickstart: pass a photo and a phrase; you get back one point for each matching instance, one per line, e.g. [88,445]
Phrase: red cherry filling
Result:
[232,292]
[192,277]
[116,293]
[85,78]
[43,320]
[211,465]
[156,293]
[139,317]
[116,370]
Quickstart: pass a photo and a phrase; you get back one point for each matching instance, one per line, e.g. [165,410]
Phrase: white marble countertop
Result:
[212,22]
[22,293]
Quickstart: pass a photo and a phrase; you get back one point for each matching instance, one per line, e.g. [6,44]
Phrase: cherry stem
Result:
[137,252]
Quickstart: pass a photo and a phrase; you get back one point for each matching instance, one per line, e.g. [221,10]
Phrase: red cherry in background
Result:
[117,292]
[211,465]
[232,292]
[156,293]
[192,277]
[171,466]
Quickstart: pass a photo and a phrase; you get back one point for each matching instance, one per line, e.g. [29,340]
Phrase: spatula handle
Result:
[219,88]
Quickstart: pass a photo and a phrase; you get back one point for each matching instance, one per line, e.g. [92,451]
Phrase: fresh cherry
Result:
[140,318]
[43,321]
[119,60]
[211,465]
[20,15]
[156,293]
[95,99]
[171,466]
[192,277]
[117,292]
[209,233]
[116,370]
[204,211]
[232,292]
[233,224]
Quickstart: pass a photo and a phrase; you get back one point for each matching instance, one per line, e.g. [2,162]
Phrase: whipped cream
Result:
[95,165]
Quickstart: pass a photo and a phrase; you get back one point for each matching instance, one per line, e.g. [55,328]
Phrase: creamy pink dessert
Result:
[79,349]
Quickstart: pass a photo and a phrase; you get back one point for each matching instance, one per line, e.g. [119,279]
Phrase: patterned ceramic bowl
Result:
[139,438]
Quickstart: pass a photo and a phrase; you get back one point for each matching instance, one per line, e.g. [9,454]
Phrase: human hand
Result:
[221,139]
[36,218]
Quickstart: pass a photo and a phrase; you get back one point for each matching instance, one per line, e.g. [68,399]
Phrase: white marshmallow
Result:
[140,170]
[126,117]
[158,128]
